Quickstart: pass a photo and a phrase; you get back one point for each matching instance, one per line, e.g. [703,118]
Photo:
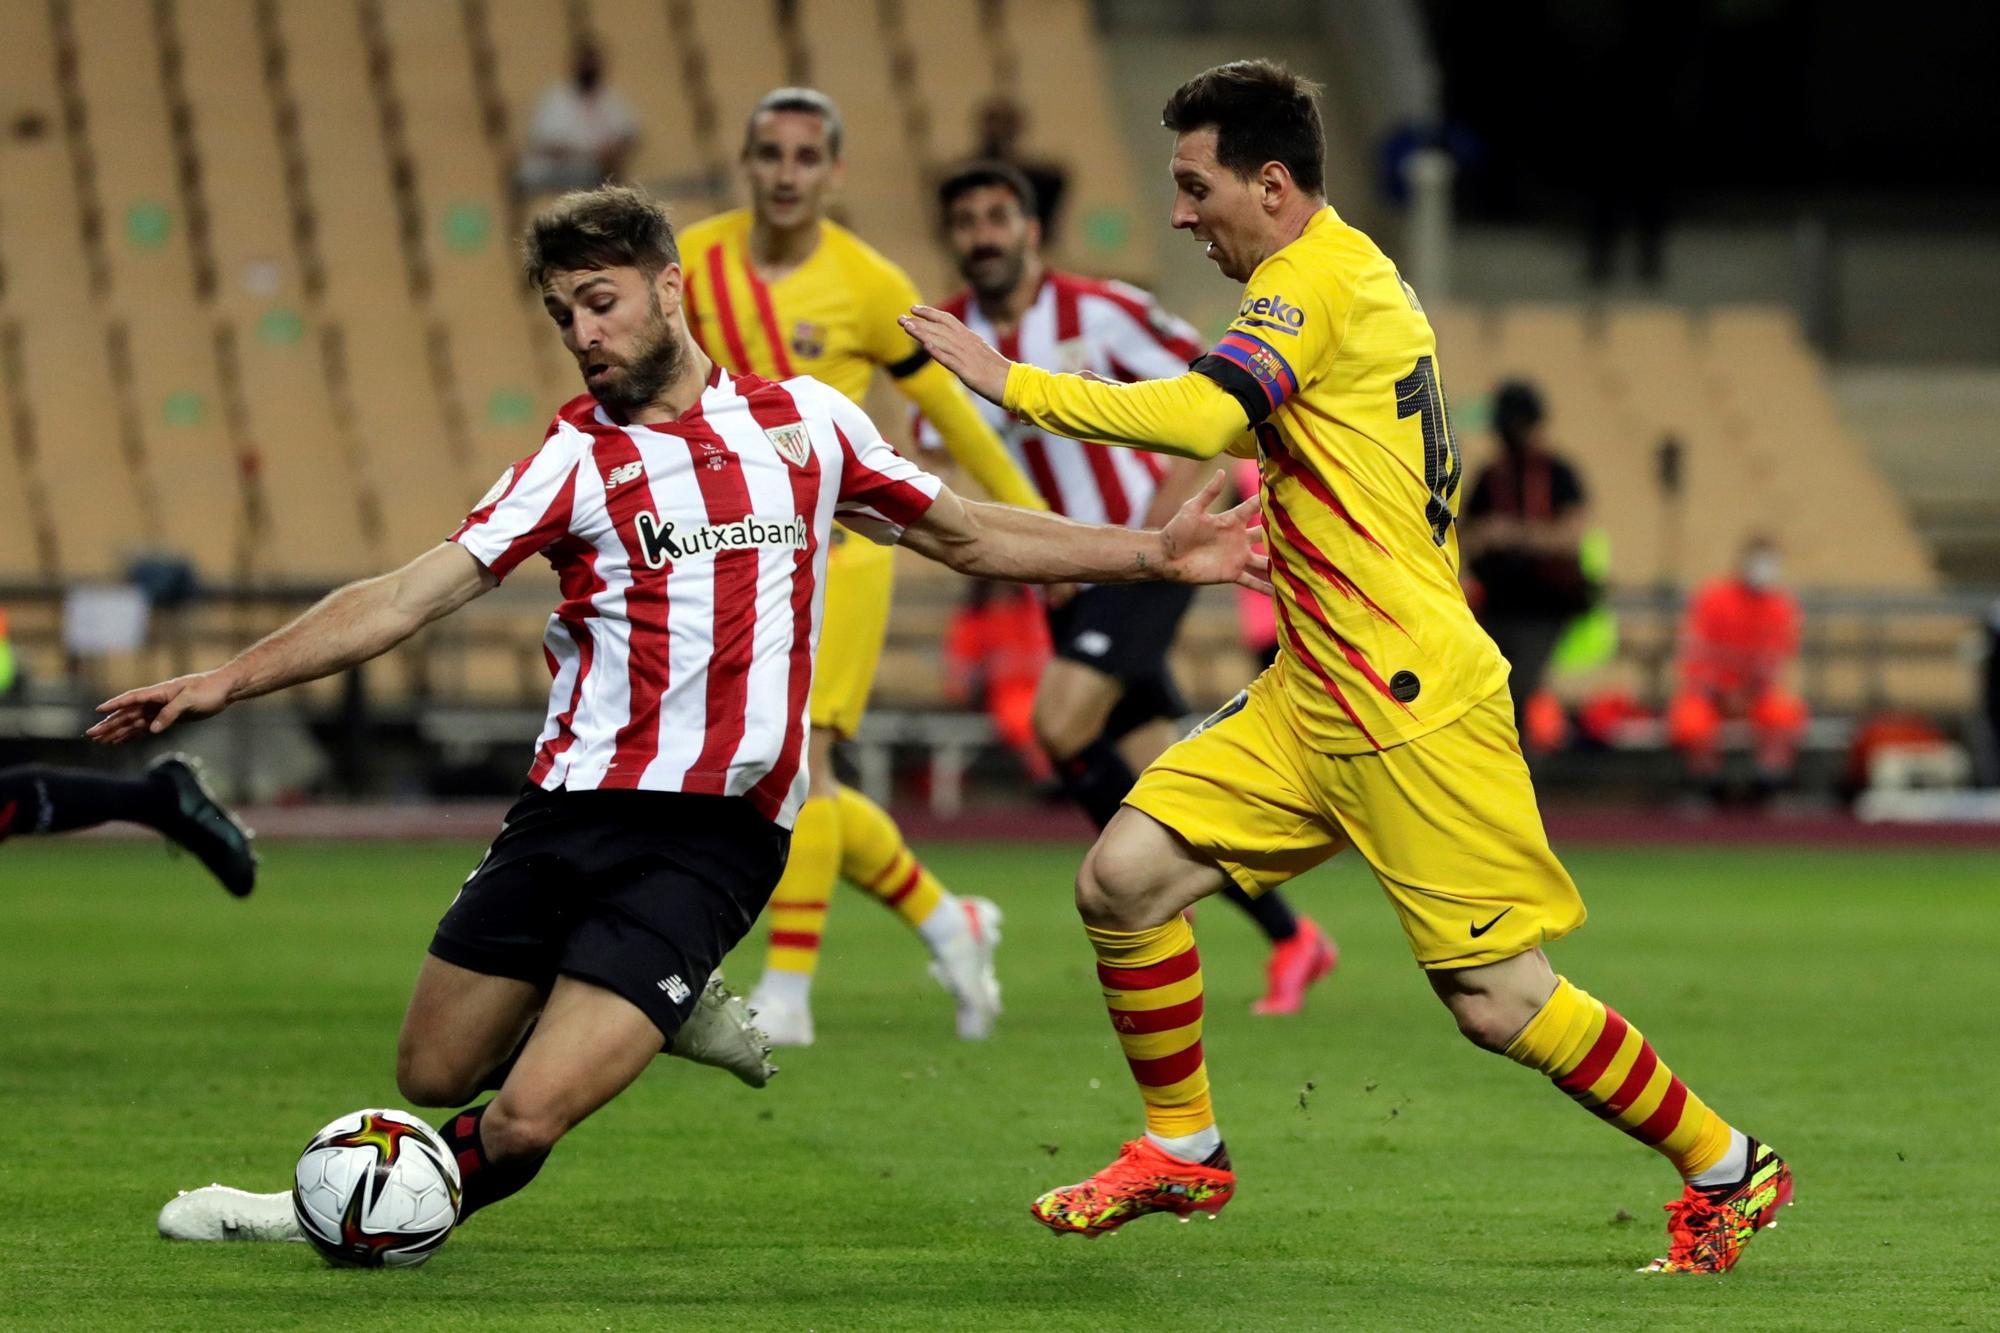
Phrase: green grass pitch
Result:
[155,1035]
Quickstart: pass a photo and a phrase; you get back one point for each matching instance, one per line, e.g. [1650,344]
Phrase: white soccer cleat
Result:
[964,966]
[219,1212]
[719,1032]
[784,1022]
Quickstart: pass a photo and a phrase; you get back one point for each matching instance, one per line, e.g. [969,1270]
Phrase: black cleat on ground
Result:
[204,826]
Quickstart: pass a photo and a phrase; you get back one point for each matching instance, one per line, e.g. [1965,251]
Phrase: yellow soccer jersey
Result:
[833,318]
[1333,363]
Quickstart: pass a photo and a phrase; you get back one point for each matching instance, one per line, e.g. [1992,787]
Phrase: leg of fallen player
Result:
[1520,1008]
[171,798]
[588,1046]
[1131,892]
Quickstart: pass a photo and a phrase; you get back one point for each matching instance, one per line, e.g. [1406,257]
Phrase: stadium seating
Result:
[293,345]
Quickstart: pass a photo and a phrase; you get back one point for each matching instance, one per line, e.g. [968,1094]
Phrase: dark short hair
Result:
[977,176]
[613,226]
[1517,407]
[1260,112]
[809,100]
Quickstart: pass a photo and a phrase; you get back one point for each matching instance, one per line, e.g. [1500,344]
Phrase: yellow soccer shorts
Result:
[860,578]
[1447,822]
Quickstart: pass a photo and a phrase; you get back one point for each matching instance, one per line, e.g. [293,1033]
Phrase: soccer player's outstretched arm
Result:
[1189,415]
[1002,542]
[942,401]
[889,499]
[347,627]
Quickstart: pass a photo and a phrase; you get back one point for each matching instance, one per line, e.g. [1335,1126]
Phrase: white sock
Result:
[946,922]
[780,987]
[1196,1147]
[1735,1164]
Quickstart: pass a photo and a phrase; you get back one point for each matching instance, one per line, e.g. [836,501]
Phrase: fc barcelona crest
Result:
[792,442]
[808,339]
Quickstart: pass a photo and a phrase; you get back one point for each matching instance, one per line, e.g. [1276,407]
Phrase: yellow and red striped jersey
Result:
[1333,362]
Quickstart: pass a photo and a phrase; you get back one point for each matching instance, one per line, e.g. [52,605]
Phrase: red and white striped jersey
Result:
[1113,329]
[692,557]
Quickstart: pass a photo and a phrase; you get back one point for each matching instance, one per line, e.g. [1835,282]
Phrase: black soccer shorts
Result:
[1125,630]
[640,892]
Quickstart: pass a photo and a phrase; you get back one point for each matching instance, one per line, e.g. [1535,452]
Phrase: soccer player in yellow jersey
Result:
[1384,724]
[779,290]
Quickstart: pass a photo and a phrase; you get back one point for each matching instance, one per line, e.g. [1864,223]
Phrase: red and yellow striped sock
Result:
[874,856]
[1152,986]
[1610,1068]
[798,904]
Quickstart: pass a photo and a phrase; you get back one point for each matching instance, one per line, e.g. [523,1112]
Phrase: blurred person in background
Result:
[582,133]
[779,289]
[994,654]
[998,126]
[1521,535]
[1108,704]
[1738,637]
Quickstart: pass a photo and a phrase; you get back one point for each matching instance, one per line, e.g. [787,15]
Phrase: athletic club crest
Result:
[808,339]
[792,442]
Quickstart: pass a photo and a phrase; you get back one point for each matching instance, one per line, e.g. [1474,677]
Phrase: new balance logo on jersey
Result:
[623,473]
[676,989]
[661,540]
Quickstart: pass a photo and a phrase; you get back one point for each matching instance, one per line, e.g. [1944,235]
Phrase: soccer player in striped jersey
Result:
[1383,725]
[1108,703]
[778,289]
[687,512]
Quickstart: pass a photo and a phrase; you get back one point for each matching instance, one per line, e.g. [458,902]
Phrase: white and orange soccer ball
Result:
[376,1189]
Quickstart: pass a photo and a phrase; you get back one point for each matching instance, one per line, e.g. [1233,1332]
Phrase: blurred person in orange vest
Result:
[1740,633]
[995,651]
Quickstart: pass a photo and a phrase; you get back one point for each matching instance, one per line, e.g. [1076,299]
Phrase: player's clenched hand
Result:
[959,350]
[1216,548]
[151,709]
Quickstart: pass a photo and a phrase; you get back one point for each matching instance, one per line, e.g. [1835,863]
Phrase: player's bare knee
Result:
[1489,1020]
[1115,890]
[513,1128]
[426,1081]
[1479,1022]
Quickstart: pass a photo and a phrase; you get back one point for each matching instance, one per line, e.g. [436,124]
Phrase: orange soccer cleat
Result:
[1143,1180]
[1295,965]
[1706,1231]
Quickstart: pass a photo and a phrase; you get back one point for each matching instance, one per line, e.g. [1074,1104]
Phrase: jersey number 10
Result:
[1418,395]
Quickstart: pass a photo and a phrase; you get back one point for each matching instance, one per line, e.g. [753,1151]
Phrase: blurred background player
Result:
[1738,638]
[582,133]
[1521,537]
[170,799]
[995,651]
[780,290]
[1108,704]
